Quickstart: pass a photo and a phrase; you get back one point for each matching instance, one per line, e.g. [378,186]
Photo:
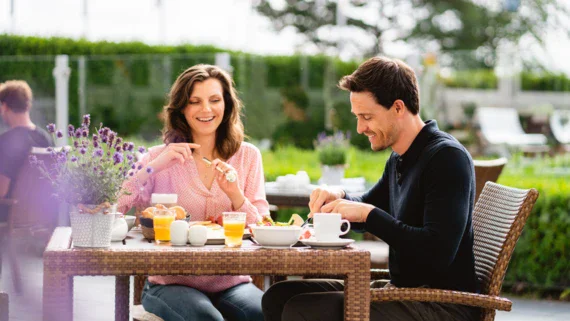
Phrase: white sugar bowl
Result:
[197,235]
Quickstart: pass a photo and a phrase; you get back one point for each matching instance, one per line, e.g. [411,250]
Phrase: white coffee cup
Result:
[328,226]
[178,232]
[198,235]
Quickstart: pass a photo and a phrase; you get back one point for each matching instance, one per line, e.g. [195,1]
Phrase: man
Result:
[421,206]
[16,143]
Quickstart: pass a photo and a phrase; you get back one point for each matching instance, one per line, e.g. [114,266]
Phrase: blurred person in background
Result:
[17,142]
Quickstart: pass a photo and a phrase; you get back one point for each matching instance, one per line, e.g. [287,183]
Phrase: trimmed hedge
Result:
[122,77]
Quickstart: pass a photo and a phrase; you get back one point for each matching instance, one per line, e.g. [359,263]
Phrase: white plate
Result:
[340,243]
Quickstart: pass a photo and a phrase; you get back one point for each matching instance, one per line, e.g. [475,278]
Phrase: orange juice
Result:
[233,232]
[162,227]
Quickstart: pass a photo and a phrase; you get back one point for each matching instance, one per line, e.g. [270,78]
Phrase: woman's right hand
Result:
[172,154]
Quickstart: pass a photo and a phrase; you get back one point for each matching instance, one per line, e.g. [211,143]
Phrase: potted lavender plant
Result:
[88,176]
[332,152]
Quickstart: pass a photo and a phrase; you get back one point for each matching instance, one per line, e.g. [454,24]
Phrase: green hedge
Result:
[476,78]
[545,81]
[122,77]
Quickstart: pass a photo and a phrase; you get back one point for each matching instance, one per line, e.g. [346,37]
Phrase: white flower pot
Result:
[92,230]
[332,175]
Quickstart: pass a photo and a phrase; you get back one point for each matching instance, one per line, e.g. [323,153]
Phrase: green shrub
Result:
[477,79]
[545,81]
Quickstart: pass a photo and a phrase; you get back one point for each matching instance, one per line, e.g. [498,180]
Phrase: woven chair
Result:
[498,220]
[487,171]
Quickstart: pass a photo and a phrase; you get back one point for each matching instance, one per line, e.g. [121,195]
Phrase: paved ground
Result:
[94,298]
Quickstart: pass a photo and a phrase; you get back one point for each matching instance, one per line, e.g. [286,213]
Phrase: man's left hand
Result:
[353,211]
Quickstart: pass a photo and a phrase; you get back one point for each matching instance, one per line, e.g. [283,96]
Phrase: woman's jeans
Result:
[181,303]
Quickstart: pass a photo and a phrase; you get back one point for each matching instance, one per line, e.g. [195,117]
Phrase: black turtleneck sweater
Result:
[424,205]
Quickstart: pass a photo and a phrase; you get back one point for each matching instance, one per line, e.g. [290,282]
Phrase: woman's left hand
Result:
[230,188]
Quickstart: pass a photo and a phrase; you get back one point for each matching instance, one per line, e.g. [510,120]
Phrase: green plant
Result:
[332,150]
[92,169]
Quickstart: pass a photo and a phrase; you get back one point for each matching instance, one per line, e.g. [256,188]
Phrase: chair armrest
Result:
[8,201]
[440,296]
[379,274]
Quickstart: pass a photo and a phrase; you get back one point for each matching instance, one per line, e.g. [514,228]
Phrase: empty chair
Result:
[487,171]
[560,127]
[501,127]
[498,219]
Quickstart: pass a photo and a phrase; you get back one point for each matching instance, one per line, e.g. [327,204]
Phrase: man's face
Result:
[373,120]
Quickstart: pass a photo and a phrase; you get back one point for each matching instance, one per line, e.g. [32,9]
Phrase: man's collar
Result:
[417,146]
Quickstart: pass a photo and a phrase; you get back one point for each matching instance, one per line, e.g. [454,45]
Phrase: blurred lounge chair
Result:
[502,131]
[560,127]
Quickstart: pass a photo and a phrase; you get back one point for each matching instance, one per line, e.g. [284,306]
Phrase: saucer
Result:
[334,244]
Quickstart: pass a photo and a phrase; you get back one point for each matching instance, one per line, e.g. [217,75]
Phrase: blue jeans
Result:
[175,302]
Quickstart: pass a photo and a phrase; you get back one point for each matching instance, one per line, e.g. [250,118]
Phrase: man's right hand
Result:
[172,154]
[321,196]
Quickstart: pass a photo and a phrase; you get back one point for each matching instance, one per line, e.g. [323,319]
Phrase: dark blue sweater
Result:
[424,205]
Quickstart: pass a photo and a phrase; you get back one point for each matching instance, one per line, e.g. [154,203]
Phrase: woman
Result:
[202,120]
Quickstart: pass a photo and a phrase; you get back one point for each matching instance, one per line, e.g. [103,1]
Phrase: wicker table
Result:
[138,257]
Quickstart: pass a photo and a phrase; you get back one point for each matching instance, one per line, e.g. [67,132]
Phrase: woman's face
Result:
[205,109]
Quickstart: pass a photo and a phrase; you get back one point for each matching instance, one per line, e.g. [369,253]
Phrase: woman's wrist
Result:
[237,200]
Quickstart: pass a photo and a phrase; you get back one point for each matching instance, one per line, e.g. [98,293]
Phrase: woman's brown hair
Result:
[229,134]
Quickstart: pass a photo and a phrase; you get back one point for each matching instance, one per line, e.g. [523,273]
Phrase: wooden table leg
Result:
[57,296]
[122,297]
[357,297]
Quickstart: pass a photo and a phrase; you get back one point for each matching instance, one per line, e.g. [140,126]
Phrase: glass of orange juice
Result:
[234,225]
[162,220]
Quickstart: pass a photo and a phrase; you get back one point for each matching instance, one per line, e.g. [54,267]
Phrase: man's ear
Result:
[399,107]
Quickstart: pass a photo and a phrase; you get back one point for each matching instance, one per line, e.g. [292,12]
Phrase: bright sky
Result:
[231,24]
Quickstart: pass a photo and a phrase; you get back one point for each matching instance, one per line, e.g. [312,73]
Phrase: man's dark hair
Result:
[388,80]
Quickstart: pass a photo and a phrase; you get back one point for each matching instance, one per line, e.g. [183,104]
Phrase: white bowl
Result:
[276,235]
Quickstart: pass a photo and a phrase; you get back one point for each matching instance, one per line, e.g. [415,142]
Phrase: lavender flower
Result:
[98,153]
[73,159]
[95,169]
[133,166]
[61,158]
[139,167]
[119,148]
[49,149]
[96,144]
[104,139]
[83,150]
[142,150]
[85,132]
[130,147]
[33,159]
[149,170]
[70,130]
[131,173]
[95,138]
[117,158]
[78,133]
[58,134]
[51,128]
[75,143]
[111,137]
[86,120]
[129,157]
[118,141]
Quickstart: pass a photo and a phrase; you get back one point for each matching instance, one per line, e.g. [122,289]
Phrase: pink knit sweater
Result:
[203,204]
